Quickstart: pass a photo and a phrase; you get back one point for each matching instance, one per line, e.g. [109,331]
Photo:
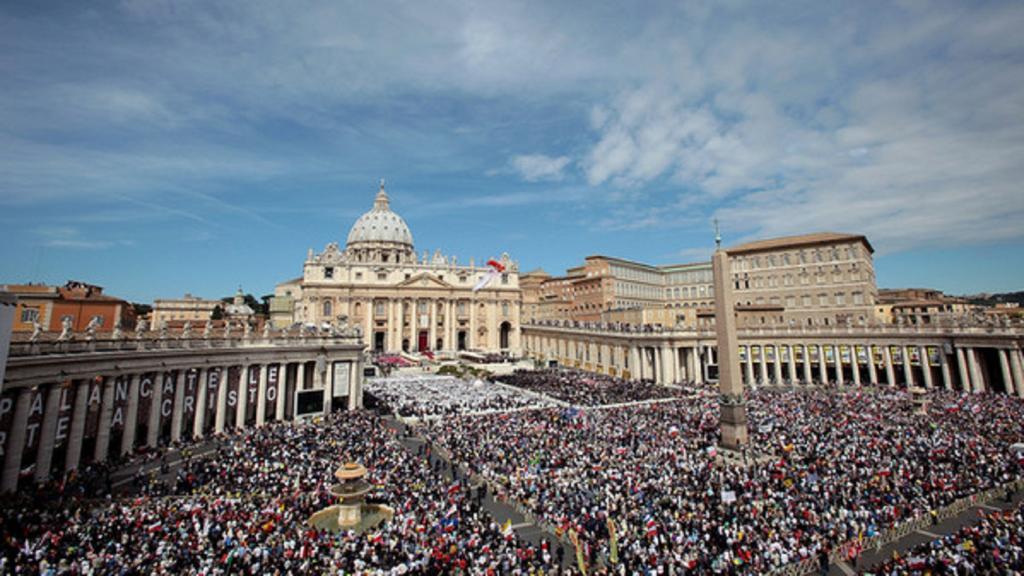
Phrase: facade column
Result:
[1018,372]
[300,376]
[634,363]
[156,399]
[872,369]
[1004,365]
[201,393]
[74,453]
[282,388]
[177,414]
[48,434]
[962,368]
[432,329]
[16,441]
[855,364]
[778,365]
[355,392]
[926,367]
[261,396]
[947,378]
[808,371]
[822,365]
[328,387]
[838,356]
[131,417]
[977,382]
[393,337]
[106,413]
[890,372]
[243,396]
[750,365]
[222,401]
[791,362]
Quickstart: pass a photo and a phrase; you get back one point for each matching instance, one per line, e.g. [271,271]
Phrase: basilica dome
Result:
[380,226]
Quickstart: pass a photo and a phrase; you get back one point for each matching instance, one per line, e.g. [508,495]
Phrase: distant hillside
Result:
[992,299]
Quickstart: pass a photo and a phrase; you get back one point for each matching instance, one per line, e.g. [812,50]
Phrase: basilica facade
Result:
[399,300]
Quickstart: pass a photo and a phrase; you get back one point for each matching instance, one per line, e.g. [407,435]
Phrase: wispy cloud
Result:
[535,167]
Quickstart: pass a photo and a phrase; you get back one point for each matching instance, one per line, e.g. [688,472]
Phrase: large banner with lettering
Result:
[215,379]
[166,406]
[7,401]
[341,373]
[274,384]
[189,402]
[233,397]
[147,385]
[252,392]
[121,387]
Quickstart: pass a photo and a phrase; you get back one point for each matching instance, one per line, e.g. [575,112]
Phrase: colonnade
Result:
[50,426]
[973,365]
[927,366]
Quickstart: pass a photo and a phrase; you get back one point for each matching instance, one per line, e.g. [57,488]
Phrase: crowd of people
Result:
[640,485]
[995,545]
[244,510]
[829,466]
[588,389]
[424,396]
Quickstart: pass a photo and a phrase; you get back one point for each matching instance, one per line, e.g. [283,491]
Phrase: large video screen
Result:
[309,402]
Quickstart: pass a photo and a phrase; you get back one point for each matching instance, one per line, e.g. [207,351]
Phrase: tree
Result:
[217,314]
[141,309]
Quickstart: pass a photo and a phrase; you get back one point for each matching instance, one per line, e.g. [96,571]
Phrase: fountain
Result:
[352,512]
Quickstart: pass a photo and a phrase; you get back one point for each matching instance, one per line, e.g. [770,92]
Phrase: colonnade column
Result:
[838,355]
[791,362]
[822,365]
[282,391]
[634,363]
[977,384]
[202,392]
[48,433]
[222,401]
[106,413]
[872,369]
[74,453]
[1018,372]
[855,364]
[926,367]
[808,372]
[261,396]
[962,368]
[1004,365]
[750,365]
[764,364]
[131,416]
[667,365]
[908,368]
[16,441]
[947,378]
[890,372]
[777,365]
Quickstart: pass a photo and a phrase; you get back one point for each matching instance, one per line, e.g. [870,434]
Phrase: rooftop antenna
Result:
[718,236]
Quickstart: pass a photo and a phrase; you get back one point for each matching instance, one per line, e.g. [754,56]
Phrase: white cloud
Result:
[535,167]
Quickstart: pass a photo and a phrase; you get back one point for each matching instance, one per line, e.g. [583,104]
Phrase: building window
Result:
[822,299]
[379,306]
[359,275]
[328,272]
[327,308]
[858,298]
[504,279]
[382,275]
[504,308]
[30,314]
[407,276]
[840,299]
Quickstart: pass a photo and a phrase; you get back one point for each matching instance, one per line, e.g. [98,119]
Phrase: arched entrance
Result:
[462,340]
[505,331]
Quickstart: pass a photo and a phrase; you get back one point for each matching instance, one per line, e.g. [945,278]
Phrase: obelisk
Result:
[731,399]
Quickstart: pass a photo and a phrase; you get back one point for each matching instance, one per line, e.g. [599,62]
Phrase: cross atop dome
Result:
[381,202]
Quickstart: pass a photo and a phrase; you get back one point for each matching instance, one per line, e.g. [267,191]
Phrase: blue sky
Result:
[158,147]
